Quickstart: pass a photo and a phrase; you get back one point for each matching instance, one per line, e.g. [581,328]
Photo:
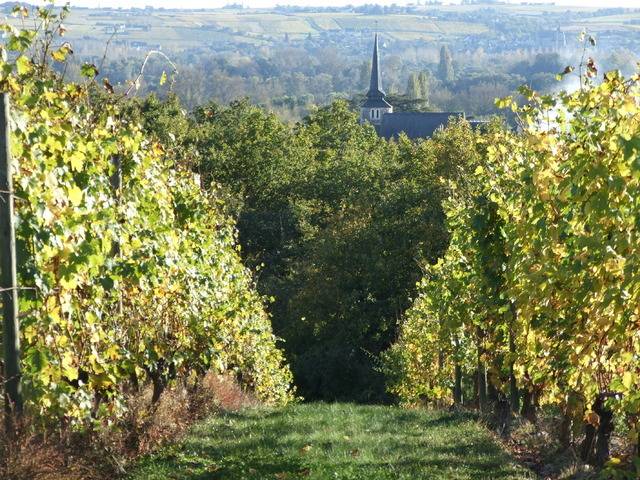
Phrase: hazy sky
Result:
[270,3]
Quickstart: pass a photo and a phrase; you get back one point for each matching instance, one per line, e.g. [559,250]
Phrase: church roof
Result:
[377,102]
[413,124]
[375,85]
[391,125]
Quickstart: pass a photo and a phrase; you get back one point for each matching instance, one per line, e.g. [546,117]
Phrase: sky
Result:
[271,3]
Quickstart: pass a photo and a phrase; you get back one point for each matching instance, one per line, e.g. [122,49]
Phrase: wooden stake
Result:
[116,186]
[8,276]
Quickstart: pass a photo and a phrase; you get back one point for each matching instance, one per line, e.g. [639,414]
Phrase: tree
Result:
[445,67]
[364,72]
[418,87]
[338,217]
[413,87]
[424,85]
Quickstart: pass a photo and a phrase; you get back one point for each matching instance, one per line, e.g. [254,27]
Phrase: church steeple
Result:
[375,106]
[375,86]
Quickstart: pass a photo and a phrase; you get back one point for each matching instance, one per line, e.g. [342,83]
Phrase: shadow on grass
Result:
[267,445]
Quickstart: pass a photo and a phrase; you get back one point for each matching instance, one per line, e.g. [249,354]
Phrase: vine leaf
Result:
[89,70]
[75,195]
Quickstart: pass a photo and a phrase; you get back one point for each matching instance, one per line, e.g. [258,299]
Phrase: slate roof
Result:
[376,102]
[413,124]
[375,84]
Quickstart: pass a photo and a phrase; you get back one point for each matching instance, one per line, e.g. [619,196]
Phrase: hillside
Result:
[291,59]
[447,23]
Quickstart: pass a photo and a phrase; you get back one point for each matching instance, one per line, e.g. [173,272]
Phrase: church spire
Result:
[375,106]
[375,86]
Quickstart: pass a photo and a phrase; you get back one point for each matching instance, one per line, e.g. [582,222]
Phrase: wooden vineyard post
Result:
[116,186]
[116,177]
[8,275]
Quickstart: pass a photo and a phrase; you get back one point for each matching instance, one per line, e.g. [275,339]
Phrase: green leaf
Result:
[20,41]
[37,359]
[89,70]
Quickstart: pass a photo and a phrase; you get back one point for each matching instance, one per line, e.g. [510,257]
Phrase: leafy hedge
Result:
[538,293]
[119,284]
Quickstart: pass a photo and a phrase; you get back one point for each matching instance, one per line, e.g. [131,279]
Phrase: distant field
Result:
[516,9]
[616,18]
[186,29]
[183,29]
[322,21]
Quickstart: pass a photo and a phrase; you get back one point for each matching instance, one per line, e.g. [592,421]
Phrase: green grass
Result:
[334,441]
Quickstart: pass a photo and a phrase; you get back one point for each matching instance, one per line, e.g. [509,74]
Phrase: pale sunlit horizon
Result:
[323,3]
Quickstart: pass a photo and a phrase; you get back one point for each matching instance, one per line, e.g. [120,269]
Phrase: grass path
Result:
[334,441]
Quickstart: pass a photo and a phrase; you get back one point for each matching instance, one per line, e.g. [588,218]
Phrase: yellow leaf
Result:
[23,65]
[613,462]
[75,195]
[305,449]
[77,160]
[112,353]
[68,370]
[54,315]
[59,56]
[71,373]
[629,106]
[64,51]
[69,283]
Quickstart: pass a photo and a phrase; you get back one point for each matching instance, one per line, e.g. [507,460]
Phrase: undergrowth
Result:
[106,450]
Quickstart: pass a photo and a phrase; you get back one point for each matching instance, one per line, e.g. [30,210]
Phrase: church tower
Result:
[375,106]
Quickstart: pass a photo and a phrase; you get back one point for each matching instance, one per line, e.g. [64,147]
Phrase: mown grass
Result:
[334,441]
